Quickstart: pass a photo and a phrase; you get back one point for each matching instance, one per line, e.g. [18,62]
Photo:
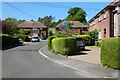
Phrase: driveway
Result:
[90,55]
[26,62]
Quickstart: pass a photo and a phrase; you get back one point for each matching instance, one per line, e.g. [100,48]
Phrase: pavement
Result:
[90,55]
[86,63]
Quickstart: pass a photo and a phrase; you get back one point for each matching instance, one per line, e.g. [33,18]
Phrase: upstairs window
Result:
[41,28]
[99,18]
[104,14]
[34,28]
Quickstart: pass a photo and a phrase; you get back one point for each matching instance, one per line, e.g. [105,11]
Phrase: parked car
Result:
[43,37]
[35,39]
[80,43]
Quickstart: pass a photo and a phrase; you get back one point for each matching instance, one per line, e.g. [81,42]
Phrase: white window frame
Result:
[105,13]
[99,34]
[34,28]
[100,18]
[41,28]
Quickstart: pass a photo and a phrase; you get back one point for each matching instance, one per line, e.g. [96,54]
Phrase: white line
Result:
[68,65]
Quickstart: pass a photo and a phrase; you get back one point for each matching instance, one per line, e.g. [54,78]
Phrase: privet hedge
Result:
[8,40]
[110,52]
[49,43]
[64,46]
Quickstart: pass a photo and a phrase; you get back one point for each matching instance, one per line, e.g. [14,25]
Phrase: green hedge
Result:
[64,46]
[86,38]
[8,40]
[24,38]
[110,52]
[49,43]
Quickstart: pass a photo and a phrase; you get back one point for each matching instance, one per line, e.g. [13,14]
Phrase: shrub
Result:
[94,36]
[25,38]
[49,43]
[8,40]
[64,46]
[110,53]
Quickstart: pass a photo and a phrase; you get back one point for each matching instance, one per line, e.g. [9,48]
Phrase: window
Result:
[99,18]
[60,28]
[104,14]
[34,29]
[41,28]
[104,33]
[99,34]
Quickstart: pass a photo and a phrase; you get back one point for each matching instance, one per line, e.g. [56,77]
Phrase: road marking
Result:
[100,76]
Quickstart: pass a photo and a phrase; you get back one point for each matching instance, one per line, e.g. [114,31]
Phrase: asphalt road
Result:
[26,62]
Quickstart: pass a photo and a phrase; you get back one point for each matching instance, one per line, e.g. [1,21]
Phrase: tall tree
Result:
[47,20]
[76,14]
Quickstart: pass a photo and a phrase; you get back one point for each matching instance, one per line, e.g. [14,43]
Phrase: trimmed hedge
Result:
[110,53]
[64,46]
[24,38]
[8,40]
[86,38]
[49,43]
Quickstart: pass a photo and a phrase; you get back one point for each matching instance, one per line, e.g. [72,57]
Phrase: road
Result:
[26,62]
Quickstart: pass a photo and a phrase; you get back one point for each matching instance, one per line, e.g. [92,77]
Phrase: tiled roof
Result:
[75,24]
[31,24]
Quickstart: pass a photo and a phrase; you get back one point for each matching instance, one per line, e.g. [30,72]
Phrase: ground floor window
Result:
[99,34]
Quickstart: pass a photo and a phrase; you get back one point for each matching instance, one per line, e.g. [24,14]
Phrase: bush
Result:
[94,37]
[110,53]
[8,40]
[25,38]
[49,43]
[64,46]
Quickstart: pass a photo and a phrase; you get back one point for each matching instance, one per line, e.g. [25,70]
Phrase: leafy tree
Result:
[47,20]
[10,26]
[76,14]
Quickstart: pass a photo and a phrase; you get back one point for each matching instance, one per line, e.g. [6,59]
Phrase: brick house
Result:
[105,22]
[36,28]
[77,27]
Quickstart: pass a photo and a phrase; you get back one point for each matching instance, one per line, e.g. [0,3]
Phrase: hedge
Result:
[49,43]
[64,46]
[86,38]
[110,53]
[8,40]
[24,38]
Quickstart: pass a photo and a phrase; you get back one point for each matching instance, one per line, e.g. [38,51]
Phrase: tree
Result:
[10,26]
[47,21]
[40,19]
[76,14]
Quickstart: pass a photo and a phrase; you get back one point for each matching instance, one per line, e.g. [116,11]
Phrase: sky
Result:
[59,10]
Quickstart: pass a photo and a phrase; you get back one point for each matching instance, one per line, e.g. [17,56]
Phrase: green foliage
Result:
[63,35]
[94,36]
[110,53]
[86,38]
[8,40]
[64,46]
[10,26]
[49,43]
[25,38]
[76,14]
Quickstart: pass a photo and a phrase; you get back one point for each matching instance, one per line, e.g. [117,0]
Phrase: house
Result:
[106,22]
[77,27]
[36,28]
